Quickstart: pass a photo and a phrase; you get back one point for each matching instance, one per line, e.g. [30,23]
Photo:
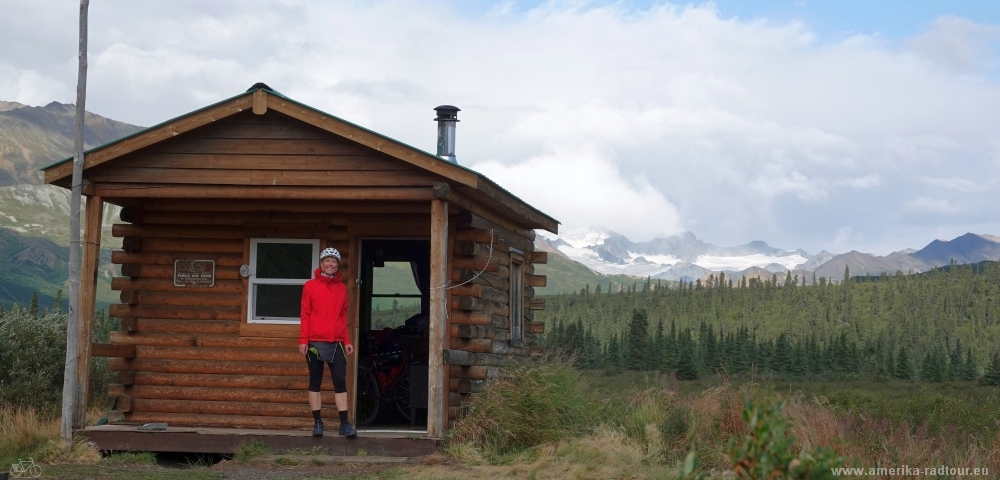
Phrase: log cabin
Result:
[224,211]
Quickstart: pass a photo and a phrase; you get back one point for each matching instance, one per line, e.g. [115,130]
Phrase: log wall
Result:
[479,337]
[196,360]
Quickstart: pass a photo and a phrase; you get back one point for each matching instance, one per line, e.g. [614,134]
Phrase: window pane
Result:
[284,260]
[393,313]
[277,301]
[394,277]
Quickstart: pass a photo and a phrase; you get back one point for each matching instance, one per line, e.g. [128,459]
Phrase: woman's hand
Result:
[349,348]
[303,348]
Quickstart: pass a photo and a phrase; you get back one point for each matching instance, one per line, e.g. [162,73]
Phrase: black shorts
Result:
[338,370]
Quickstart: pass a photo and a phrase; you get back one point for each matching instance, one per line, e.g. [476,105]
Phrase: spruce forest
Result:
[938,326]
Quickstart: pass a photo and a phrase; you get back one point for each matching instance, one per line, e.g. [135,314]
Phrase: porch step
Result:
[327,459]
[228,440]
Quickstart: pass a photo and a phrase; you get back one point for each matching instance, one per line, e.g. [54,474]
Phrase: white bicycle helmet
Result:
[329,252]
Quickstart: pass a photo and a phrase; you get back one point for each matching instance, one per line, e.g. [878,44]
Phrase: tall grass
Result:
[549,409]
[26,432]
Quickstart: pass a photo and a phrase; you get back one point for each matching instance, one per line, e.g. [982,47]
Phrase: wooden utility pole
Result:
[70,384]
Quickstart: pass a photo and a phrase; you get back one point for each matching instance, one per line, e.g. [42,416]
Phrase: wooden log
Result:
[202,340]
[438,319]
[136,270]
[125,404]
[132,244]
[201,299]
[216,394]
[258,207]
[536,280]
[507,233]
[175,312]
[290,355]
[471,373]
[210,366]
[230,421]
[478,318]
[480,265]
[536,327]
[194,246]
[456,399]
[454,413]
[112,350]
[132,190]
[87,305]
[483,292]
[472,345]
[126,377]
[173,325]
[131,215]
[178,231]
[269,382]
[529,292]
[459,357]
[539,257]
[536,304]
[462,385]
[480,331]
[167,285]
[503,348]
[475,304]
[473,208]
[298,409]
[469,276]
[168,258]
[485,236]
[486,255]
[215,220]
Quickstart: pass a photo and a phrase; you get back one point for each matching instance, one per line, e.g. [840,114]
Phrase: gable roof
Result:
[260,98]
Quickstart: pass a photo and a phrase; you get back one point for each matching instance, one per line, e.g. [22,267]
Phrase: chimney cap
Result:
[447,112]
[260,85]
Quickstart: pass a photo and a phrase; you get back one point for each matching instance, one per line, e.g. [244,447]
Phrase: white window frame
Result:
[254,281]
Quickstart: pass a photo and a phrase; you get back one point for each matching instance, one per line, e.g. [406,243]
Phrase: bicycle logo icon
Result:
[26,469]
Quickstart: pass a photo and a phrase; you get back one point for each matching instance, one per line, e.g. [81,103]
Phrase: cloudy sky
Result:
[815,125]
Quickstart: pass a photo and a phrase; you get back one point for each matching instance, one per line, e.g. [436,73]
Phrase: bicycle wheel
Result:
[35,471]
[368,396]
[401,393]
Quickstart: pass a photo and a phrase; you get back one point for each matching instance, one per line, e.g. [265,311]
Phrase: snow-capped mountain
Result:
[679,257]
[684,257]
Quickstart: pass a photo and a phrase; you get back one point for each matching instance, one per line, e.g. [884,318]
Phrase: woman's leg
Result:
[315,381]
[338,369]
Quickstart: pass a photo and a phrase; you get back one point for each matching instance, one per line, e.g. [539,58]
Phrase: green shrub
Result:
[528,405]
[33,359]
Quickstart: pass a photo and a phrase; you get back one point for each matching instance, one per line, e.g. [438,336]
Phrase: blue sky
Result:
[834,125]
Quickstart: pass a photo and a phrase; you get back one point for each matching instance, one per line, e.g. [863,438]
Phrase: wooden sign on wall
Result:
[194,273]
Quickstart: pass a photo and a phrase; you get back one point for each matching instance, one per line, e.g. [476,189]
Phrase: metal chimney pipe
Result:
[447,117]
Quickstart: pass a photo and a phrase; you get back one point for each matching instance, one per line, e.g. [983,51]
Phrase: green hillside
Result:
[566,276]
[30,264]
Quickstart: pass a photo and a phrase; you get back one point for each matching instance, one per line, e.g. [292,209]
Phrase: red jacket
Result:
[324,310]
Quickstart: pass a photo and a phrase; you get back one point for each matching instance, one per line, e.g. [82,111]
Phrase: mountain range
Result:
[685,257]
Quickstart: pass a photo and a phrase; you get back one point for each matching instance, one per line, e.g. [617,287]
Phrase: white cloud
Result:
[751,129]
[596,193]
[867,181]
[954,183]
[930,205]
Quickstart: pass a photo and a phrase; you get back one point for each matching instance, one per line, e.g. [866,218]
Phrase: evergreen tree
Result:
[33,305]
[57,302]
[992,377]
[971,369]
[638,339]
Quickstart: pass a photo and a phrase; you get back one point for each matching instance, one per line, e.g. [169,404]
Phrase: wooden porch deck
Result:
[381,442]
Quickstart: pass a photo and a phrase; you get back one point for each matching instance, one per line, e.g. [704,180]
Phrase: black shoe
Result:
[346,430]
[318,429]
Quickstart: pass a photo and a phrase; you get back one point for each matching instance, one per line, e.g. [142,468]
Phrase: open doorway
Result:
[393,334]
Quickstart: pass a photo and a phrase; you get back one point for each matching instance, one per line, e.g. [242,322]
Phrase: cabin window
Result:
[516,298]
[278,269]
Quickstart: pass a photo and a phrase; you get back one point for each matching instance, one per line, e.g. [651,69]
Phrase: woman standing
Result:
[323,337]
